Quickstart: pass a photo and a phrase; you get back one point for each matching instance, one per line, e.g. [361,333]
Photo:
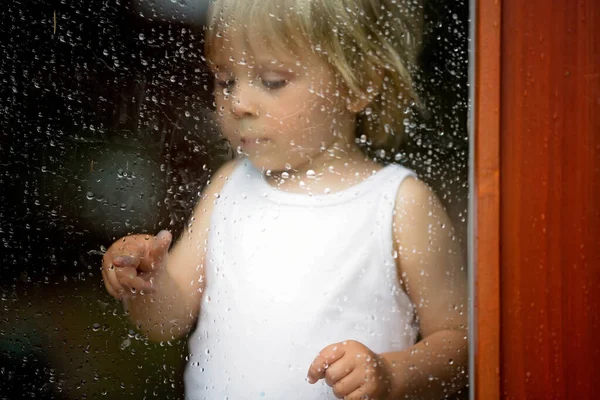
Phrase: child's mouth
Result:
[254,141]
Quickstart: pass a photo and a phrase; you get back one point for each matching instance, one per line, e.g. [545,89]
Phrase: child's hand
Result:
[130,263]
[353,371]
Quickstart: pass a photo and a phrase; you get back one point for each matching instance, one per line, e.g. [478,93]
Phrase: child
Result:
[309,268]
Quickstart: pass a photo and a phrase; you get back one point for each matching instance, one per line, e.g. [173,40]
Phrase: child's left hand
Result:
[353,371]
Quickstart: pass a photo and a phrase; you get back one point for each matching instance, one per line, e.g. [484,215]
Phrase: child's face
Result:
[281,110]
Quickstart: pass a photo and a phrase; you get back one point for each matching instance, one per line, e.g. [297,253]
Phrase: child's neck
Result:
[338,167]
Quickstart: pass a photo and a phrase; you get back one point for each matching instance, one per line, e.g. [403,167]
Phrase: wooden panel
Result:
[550,199]
[487,201]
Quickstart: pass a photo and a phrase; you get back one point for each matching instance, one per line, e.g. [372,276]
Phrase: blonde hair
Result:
[373,46]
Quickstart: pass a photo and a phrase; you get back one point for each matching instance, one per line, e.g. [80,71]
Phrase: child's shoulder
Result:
[414,190]
[220,177]
[415,199]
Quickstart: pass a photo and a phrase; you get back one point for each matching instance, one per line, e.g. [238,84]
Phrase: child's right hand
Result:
[131,263]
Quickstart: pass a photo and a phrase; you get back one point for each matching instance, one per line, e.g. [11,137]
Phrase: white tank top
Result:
[288,274]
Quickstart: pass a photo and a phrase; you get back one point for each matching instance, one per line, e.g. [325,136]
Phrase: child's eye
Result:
[274,84]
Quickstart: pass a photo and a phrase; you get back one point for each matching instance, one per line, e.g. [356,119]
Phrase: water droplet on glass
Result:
[125,344]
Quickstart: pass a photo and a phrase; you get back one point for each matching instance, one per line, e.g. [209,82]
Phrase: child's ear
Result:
[357,102]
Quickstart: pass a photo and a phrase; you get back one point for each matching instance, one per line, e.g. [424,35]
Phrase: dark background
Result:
[105,130]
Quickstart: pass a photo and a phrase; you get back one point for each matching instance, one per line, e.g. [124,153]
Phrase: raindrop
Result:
[125,344]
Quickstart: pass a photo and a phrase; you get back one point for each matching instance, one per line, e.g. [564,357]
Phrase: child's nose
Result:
[242,102]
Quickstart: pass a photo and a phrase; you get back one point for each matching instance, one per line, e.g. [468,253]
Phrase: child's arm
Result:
[432,271]
[172,283]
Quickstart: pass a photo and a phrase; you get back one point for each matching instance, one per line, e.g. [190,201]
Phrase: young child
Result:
[310,268]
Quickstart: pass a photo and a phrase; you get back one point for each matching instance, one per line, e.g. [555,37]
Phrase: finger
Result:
[131,251]
[130,280]
[137,285]
[348,384]
[159,248]
[112,279]
[339,370]
[358,394]
[109,287]
[326,357]
[366,390]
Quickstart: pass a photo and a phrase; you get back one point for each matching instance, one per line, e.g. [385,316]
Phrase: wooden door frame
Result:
[535,220]
[486,35]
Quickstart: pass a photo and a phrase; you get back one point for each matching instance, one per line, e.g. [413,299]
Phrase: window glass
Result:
[110,127]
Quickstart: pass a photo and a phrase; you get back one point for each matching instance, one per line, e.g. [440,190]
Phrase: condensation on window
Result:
[108,128]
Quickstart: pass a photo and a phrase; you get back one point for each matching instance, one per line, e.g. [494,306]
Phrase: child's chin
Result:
[265,163]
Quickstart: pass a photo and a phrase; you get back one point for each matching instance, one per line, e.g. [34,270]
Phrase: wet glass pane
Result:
[111,125]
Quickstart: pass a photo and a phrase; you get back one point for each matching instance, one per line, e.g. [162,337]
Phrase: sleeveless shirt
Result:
[288,274]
